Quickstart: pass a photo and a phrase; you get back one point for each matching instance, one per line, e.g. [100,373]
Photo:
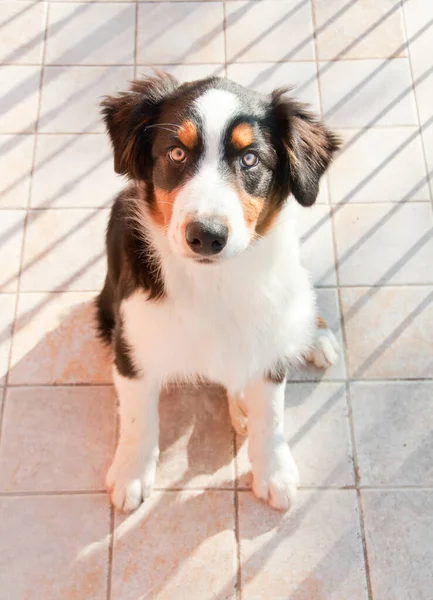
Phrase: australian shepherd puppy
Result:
[204,277]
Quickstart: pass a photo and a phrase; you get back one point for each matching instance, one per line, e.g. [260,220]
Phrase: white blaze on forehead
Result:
[216,109]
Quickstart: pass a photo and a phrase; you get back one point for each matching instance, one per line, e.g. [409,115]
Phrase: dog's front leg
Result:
[275,476]
[131,476]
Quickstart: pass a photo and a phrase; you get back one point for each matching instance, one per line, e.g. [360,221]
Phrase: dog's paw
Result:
[238,415]
[131,477]
[324,353]
[276,480]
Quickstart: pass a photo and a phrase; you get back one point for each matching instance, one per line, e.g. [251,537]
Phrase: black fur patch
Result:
[123,354]
[132,265]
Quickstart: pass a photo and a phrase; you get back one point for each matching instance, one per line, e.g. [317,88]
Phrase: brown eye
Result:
[250,159]
[177,154]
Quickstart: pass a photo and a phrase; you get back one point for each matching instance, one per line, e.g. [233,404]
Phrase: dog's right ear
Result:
[126,117]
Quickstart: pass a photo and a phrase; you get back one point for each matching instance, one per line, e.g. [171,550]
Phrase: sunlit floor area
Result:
[361,432]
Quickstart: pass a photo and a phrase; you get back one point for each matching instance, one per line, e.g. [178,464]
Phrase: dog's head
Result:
[218,161]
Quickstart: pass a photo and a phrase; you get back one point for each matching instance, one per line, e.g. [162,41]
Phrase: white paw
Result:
[131,477]
[325,350]
[276,480]
[238,415]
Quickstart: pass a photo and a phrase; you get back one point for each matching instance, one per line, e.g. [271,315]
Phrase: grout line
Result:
[51,493]
[344,352]
[186,64]
[24,230]
[240,489]
[110,554]
[237,529]
[225,36]
[358,493]
[112,515]
[364,545]
[339,380]
[135,40]
[420,128]
[3,401]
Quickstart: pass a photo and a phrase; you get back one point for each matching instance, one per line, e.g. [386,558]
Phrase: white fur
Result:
[275,475]
[229,322]
[132,473]
[208,194]
[324,352]
[226,322]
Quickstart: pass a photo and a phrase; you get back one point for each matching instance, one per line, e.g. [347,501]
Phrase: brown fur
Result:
[188,134]
[162,208]
[242,136]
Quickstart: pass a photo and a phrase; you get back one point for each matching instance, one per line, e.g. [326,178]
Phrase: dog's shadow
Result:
[195,484]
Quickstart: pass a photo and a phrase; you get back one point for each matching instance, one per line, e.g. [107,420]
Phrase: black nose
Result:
[206,237]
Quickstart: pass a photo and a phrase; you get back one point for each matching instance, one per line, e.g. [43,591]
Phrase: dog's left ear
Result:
[307,145]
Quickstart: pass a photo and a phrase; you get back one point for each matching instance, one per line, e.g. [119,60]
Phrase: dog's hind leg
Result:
[324,352]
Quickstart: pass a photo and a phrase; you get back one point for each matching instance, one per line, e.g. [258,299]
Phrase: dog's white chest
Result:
[225,324]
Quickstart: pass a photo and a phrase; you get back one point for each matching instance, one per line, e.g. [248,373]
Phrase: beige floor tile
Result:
[384,243]
[399,530]
[55,341]
[379,165]
[103,1]
[195,440]
[317,249]
[16,155]
[57,438]
[162,37]
[45,539]
[186,72]
[177,0]
[312,552]
[74,171]
[98,34]
[419,23]
[370,92]
[11,237]
[389,331]
[64,250]
[266,77]
[427,134]
[22,27]
[328,308]
[177,545]
[317,431]
[7,312]
[19,98]
[270,30]
[367,29]
[392,423]
[71,97]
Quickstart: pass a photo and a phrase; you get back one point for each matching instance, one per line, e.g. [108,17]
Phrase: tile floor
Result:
[361,433]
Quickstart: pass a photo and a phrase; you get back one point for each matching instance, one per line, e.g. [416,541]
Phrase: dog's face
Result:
[218,161]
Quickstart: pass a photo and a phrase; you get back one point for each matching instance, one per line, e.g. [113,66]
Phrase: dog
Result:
[204,279]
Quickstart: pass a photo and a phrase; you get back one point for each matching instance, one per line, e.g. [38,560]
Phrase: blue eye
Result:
[250,159]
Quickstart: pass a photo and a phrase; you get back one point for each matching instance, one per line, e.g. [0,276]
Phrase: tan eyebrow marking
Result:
[188,134]
[242,136]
